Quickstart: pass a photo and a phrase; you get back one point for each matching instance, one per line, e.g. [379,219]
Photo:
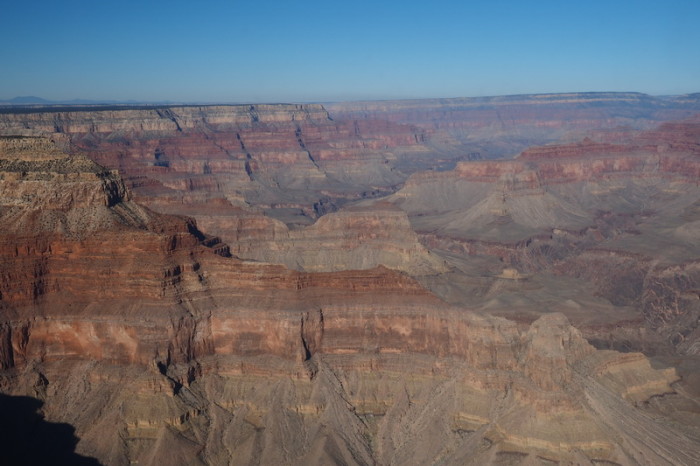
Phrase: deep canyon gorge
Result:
[505,280]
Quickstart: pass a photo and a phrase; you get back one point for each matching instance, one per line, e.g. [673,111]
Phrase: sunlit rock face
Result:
[298,162]
[351,314]
[293,157]
[137,323]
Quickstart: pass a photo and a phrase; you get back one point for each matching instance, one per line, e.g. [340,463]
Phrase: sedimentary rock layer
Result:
[619,218]
[298,162]
[159,347]
[503,126]
[277,157]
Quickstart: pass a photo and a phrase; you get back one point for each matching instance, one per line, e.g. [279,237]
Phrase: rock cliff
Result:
[289,160]
[311,332]
[160,347]
[618,218]
[298,162]
[503,126]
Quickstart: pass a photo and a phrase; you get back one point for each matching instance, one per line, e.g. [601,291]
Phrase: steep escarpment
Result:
[298,162]
[559,187]
[618,219]
[284,159]
[77,253]
[535,190]
[254,174]
[350,239]
[503,126]
[159,347]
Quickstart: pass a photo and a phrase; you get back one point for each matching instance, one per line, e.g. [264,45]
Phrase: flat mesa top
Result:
[29,154]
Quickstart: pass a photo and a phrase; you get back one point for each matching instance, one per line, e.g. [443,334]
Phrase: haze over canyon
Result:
[498,280]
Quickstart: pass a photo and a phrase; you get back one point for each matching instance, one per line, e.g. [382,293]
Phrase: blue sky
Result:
[283,51]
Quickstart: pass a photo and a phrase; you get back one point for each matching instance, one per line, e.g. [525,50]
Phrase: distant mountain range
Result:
[34,100]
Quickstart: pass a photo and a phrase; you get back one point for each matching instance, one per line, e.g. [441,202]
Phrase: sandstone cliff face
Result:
[159,347]
[287,159]
[354,238]
[298,162]
[246,172]
[165,120]
[560,187]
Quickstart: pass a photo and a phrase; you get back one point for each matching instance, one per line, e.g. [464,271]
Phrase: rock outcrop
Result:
[621,219]
[351,239]
[159,347]
[298,162]
[310,333]
[285,159]
[503,126]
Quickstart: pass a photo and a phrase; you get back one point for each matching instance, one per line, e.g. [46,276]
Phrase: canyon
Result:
[507,280]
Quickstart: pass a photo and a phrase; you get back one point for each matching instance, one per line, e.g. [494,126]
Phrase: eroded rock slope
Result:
[160,348]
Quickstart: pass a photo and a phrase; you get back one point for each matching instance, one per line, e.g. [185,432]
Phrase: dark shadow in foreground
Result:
[27,439]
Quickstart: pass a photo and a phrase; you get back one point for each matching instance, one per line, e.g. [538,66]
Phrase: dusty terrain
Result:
[357,283]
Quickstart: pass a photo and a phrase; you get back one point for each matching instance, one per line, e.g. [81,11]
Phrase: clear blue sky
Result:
[309,50]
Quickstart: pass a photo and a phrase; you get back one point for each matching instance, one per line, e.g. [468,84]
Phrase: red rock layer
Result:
[161,348]
[622,218]
[234,152]
[576,110]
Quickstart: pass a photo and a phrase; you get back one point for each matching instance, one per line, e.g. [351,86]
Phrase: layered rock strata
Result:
[621,219]
[351,239]
[159,347]
[503,126]
[286,159]
[298,162]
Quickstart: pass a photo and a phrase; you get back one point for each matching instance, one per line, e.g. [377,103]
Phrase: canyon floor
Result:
[508,280]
